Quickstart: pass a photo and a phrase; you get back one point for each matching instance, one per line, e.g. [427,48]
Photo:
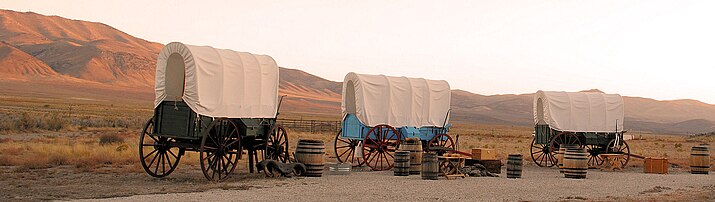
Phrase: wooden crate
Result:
[655,165]
[484,154]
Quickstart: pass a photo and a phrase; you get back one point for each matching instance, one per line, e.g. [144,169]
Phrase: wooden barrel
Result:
[699,160]
[430,168]
[575,163]
[402,163]
[311,153]
[513,166]
[414,145]
[560,155]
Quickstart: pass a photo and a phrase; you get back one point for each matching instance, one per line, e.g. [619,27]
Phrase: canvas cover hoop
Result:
[396,101]
[579,111]
[217,82]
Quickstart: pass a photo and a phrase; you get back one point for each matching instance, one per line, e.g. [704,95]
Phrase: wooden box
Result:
[484,154]
[656,165]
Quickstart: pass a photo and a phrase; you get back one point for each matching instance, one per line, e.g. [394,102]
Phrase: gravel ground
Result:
[537,184]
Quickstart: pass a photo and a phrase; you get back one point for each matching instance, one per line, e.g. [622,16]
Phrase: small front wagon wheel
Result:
[157,156]
[277,145]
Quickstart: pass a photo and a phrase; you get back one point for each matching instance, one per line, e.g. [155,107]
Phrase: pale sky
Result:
[656,49]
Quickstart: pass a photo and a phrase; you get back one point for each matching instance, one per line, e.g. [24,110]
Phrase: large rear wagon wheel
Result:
[379,147]
[542,155]
[156,155]
[622,148]
[345,150]
[220,149]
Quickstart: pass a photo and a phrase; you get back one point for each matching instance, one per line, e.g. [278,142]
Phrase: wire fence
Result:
[310,125]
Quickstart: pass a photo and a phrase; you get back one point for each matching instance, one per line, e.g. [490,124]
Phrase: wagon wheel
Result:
[345,150]
[620,149]
[220,149]
[379,145]
[440,144]
[277,145]
[542,155]
[163,159]
[594,160]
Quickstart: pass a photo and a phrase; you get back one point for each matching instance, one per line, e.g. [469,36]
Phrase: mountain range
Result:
[90,58]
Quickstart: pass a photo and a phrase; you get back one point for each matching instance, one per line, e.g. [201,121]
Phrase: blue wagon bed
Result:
[379,112]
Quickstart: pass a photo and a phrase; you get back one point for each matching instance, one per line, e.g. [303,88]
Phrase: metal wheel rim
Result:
[160,154]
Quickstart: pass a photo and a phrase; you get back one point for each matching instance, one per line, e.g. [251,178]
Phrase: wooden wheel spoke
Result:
[341,154]
[156,155]
[172,153]
[150,153]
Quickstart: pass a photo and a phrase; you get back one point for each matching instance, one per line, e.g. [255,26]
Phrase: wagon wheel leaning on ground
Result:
[277,145]
[220,149]
[623,148]
[345,150]
[441,143]
[379,147]
[162,158]
[541,154]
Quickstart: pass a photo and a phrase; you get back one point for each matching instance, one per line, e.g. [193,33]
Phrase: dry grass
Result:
[84,153]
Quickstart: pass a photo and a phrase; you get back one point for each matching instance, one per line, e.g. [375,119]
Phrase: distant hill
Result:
[15,63]
[58,57]
[85,50]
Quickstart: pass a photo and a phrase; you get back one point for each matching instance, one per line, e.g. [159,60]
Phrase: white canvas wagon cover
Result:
[579,111]
[396,101]
[217,82]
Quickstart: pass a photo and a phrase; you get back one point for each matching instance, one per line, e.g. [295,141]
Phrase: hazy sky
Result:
[658,49]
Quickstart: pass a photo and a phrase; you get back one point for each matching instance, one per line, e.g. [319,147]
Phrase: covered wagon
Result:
[381,111]
[217,102]
[591,120]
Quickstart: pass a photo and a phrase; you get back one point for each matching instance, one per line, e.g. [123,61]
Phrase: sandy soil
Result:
[187,184]
[538,184]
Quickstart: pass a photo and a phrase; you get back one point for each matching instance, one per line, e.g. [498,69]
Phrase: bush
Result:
[26,122]
[54,122]
[110,139]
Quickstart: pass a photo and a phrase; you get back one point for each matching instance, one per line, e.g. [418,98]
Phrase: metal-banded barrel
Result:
[414,145]
[311,153]
[402,163]
[513,166]
[575,163]
[699,160]
[560,155]
[429,166]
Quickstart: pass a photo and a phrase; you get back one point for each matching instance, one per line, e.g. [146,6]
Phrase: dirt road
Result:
[537,184]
